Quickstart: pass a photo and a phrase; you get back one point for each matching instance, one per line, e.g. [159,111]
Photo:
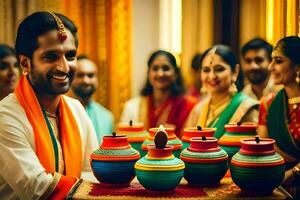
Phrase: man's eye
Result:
[258,60]
[71,56]
[247,61]
[50,57]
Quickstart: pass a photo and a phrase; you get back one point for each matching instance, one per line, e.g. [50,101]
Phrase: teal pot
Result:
[159,170]
[257,168]
[205,162]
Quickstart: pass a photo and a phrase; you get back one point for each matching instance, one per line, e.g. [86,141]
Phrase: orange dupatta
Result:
[69,131]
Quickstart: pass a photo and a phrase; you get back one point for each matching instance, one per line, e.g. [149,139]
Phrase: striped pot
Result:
[113,162]
[205,162]
[257,168]
[159,170]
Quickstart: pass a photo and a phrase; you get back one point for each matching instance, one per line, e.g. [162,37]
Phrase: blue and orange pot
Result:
[205,162]
[113,163]
[159,170]
[257,168]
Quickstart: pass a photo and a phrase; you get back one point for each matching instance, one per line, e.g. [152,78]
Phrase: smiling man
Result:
[45,137]
[256,55]
[83,87]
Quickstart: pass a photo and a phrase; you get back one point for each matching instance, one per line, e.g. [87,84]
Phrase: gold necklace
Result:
[214,107]
[294,101]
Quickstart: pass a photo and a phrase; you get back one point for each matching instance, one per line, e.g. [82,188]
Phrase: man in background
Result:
[84,85]
[256,58]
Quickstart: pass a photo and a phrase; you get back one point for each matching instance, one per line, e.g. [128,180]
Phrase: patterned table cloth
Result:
[226,190]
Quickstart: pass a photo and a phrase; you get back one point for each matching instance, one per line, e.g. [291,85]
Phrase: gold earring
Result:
[232,89]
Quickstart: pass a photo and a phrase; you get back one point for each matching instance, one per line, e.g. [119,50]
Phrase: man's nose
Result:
[254,65]
[63,65]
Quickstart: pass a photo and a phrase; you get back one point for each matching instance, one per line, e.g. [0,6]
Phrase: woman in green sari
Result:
[219,71]
[279,116]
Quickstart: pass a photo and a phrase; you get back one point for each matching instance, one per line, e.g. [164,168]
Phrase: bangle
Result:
[296,171]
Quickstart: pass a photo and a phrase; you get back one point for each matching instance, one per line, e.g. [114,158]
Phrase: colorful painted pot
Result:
[159,170]
[172,140]
[257,168]
[113,163]
[195,132]
[136,134]
[205,162]
[235,132]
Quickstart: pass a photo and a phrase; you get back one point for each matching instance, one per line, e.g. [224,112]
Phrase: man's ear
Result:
[25,64]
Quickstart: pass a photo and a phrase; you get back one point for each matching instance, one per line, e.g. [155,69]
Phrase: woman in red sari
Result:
[279,116]
[162,99]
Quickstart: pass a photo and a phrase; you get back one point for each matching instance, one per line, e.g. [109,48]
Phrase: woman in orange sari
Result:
[162,99]
[279,116]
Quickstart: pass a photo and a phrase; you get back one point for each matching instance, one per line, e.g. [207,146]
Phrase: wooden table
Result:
[226,190]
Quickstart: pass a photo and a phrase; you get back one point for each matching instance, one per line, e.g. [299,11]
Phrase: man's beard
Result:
[84,93]
[45,85]
[257,76]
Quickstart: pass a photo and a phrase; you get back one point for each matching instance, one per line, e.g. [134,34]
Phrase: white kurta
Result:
[21,174]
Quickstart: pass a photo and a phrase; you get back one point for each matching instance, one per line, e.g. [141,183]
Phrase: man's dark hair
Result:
[6,50]
[177,88]
[36,25]
[258,43]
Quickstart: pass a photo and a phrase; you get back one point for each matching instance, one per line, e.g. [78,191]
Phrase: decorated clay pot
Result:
[172,140]
[136,134]
[205,162]
[235,132]
[257,168]
[113,163]
[195,132]
[159,170]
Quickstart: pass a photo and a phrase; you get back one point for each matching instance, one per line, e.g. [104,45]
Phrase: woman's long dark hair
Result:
[177,88]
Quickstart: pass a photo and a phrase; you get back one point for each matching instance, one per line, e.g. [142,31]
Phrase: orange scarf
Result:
[69,131]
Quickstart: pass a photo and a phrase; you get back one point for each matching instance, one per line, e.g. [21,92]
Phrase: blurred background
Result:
[119,35]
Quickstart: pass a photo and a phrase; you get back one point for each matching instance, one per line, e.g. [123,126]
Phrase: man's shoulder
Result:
[9,103]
